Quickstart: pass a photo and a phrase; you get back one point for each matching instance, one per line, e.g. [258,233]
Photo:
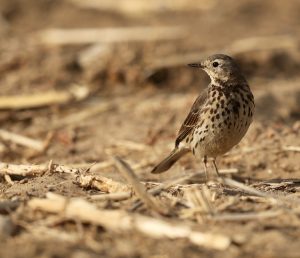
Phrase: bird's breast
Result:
[226,122]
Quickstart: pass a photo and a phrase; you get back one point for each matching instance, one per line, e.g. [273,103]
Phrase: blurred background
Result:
[81,80]
[104,61]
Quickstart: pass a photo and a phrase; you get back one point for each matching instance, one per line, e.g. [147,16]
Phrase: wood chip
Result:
[102,184]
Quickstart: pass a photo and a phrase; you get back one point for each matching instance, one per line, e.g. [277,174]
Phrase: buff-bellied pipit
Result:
[220,116]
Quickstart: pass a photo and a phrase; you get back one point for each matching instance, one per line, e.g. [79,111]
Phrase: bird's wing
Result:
[192,118]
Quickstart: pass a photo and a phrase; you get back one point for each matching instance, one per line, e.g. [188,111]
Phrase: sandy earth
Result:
[140,107]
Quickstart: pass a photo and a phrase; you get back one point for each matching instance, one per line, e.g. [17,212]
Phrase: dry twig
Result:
[139,189]
[31,170]
[121,221]
[102,184]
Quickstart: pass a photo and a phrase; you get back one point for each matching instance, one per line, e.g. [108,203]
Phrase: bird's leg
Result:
[216,168]
[205,167]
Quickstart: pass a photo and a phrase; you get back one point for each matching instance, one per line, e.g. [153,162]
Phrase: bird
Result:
[219,117]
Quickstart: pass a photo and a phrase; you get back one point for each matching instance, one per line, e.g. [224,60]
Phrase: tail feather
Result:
[168,162]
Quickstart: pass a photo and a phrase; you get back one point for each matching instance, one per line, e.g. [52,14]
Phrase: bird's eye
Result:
[215,64]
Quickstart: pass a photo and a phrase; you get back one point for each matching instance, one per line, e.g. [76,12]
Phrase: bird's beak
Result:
[196,65]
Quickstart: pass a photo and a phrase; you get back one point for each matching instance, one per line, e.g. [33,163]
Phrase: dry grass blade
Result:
[198,202]
[247,215]
[278,182]
[158,189]
[43,99]
[169,183]
[245,188]
[229,171]
[8,179]
[282,200]
[206,199]
[138,7]
[120,221]
[138,187]
[109,35]
[22,140]
[118,196]
[292,148]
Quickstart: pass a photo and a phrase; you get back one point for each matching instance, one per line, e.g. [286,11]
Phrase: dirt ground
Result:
[128,99]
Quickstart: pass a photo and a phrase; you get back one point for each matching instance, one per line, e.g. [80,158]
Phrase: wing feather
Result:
[192,118]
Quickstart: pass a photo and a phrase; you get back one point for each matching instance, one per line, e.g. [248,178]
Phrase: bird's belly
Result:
[220,143]
[221,138]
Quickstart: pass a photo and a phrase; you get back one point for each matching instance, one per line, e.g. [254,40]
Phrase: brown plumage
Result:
[219,117]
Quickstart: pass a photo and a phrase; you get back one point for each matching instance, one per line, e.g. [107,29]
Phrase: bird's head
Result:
[220,68]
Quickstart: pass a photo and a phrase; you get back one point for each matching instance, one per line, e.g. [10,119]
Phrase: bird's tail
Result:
[164,165]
